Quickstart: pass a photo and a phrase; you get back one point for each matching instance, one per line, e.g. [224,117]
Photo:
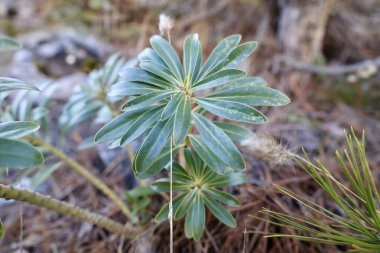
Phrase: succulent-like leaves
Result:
[17,129]
[153,145]
[162,81]
[167,54]
[218,78]
[118,126]
[219,142]
[143,76]
[7,43]
[126,88]
[252,95]
[207,155]
[232,110]
[8,84]
[182,120]
[18,154]
[220,52]
[192,56]
[235,132]
[196,191]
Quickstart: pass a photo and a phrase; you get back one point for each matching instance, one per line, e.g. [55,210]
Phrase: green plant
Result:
[19,154]
[91,99]
[197,188]
[170,109]
[13,152]
[357,224]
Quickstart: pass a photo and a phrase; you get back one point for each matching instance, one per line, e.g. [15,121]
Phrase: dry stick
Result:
[330,70]
[60,207]
[84,172]
[171,197]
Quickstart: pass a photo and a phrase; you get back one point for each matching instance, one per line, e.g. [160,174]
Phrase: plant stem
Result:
[84,172]
[130,154]
[60,207]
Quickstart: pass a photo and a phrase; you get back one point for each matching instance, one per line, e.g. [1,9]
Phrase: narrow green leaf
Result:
[180,174]
[126,88]
[143,76]
[147,99]
[112,68]
[161,71]
[7,43]
[218,78]
[228,179]
[119,125]
[223,197]
[17,129]
[148,54]
[232,110]
[198,216]
[140,125]
[18,154]
[182,119]
[162,160]
[192,56]
[153,145]
[235,132]
[189,225]
[239,54]
[184,205]
[171,107]
[220,212]
[192,164]
[220,52]
[167,54]
[8,84]
[164,212]
[163,185]
[207,155]
[248,81]
[252,95]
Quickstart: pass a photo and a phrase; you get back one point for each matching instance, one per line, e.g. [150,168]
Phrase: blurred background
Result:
[324,54]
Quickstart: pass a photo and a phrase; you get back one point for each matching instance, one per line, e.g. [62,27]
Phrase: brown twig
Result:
[330,70]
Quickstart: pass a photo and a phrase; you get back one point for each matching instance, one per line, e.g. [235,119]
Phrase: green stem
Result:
[60,207]
[84,172]
[130,154]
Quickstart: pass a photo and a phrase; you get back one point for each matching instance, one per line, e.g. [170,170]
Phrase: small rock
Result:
[50,50]
[66,85]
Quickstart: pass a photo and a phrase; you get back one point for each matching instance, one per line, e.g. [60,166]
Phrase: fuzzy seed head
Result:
[165,24]
[268,150]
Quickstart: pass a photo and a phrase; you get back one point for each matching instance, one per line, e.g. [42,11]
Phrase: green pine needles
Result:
[357,224]
[171,101]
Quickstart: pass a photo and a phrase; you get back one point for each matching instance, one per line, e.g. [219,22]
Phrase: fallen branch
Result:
[91,178]
[331,70]
[60,207]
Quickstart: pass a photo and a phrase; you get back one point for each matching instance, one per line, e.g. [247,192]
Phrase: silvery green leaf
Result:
[232,110]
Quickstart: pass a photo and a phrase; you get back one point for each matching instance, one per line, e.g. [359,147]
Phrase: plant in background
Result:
[170,109]
[19,154]
[13,152]
[357,223]
[28,108]
[91,100]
